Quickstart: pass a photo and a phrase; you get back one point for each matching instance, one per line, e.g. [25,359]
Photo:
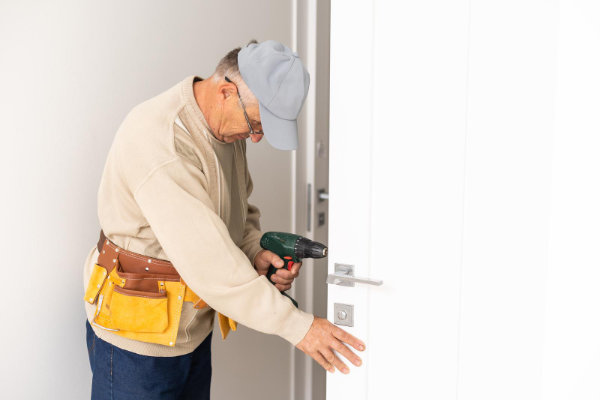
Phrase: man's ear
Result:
[226,90]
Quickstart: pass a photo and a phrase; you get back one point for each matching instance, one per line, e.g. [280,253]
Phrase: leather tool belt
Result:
[140,297]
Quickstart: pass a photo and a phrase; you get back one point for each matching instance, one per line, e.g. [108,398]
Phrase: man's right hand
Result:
[323,338]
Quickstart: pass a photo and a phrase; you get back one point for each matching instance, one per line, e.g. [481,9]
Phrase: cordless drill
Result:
[292,249]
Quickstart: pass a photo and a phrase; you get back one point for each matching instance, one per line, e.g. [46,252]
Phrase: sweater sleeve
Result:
[197,242]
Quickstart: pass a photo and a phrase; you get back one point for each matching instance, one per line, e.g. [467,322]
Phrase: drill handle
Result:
[288,262]
[272,270]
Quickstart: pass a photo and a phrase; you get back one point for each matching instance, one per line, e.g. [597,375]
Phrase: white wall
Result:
[69,73]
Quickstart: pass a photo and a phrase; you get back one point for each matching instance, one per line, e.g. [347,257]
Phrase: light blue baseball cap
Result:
[276,76]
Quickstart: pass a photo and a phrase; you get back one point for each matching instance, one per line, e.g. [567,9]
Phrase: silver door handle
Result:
[344,276]
[322,195]
[341,280]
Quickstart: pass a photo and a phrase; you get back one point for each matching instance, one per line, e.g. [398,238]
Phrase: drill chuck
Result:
[306,248]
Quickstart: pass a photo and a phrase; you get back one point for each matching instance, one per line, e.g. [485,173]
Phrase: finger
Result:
[283,288]
[277,279]
[348,338]
[335,360]
[322,362]
[346,352]
[296,268]
[285,274]
[275,260]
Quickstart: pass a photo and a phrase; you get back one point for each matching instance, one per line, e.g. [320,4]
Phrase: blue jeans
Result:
[122,375]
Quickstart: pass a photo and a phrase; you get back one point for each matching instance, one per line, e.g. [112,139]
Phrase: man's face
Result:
[238,127]
[235,126]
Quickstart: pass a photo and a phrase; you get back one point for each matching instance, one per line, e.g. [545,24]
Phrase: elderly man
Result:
[179,240]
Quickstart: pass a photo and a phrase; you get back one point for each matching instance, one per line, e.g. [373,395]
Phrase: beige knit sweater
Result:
[171,190]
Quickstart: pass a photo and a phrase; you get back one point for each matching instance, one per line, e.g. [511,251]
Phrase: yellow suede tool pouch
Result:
[140,297]
[141,307]
[95,284]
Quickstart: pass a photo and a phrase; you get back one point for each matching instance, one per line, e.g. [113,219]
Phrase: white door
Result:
[464,175]
[397,138]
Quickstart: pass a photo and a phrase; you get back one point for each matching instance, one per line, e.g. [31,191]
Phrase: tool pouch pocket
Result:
[95,283]
[137,311]
[130,306]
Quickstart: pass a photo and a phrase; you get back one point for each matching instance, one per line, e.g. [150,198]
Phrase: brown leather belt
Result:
[140,271]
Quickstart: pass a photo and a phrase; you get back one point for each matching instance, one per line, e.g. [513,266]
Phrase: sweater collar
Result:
[192,106]
[194,109]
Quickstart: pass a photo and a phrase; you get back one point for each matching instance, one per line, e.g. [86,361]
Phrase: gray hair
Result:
[228,67]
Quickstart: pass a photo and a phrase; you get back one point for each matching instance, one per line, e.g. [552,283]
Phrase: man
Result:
[181,240]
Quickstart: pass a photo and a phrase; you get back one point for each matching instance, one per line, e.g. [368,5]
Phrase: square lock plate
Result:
[343,314]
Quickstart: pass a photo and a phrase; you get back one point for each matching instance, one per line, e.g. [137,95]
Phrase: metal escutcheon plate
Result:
[343,314]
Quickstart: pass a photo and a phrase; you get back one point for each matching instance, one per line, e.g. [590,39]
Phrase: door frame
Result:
[310,36]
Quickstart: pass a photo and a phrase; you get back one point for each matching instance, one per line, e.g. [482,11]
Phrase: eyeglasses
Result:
[252,131]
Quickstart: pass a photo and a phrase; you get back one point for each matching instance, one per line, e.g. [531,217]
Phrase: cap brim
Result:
[280,133]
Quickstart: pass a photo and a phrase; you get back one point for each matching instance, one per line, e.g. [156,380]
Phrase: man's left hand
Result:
[283,278]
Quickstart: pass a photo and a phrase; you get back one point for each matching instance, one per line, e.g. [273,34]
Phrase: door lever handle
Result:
[342,280]
[344,276]
[323,195]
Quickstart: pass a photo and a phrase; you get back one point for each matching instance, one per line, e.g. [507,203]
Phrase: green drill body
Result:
[292,249]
